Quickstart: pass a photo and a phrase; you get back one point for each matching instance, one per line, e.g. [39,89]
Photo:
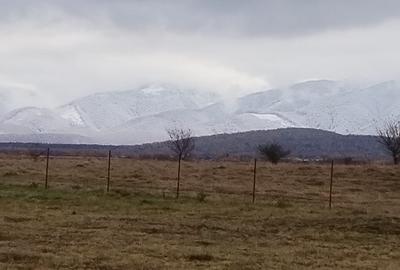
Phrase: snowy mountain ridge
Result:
[143,115]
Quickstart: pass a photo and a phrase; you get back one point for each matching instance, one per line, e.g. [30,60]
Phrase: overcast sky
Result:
[64,49]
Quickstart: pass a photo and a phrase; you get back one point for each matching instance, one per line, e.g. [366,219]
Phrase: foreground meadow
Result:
[139,224]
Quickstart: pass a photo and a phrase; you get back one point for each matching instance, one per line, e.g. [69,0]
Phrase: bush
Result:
[273,152]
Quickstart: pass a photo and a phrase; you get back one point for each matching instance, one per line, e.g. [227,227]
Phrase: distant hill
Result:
[302,142]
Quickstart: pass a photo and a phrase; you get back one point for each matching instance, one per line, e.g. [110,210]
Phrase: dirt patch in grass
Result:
[200,257]
[16,219]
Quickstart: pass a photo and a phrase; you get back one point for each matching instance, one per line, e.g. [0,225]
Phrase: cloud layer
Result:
[66,49]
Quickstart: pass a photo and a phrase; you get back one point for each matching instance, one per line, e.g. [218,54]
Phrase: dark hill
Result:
[303,143]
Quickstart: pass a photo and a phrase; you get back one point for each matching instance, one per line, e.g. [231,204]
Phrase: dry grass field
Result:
[140,225]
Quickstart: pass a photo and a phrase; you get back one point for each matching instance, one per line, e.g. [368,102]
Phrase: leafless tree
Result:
[389,137]
[182,144]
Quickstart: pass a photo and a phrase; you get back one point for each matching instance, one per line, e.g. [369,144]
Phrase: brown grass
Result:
[214,225]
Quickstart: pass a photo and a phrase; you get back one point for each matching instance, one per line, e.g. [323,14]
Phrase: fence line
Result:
[229,186]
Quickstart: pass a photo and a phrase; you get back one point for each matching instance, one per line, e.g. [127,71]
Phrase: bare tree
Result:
[182,144]
[389,137]
[273,152]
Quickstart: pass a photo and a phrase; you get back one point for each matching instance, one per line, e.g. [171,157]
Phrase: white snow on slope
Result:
[107,110]
[267,116]
[143,115]
[71,114]
[214,119]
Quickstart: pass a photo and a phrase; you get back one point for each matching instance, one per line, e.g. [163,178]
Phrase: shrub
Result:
[273,152]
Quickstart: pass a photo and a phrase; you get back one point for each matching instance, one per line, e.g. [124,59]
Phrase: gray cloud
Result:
[64,49]
[222,17]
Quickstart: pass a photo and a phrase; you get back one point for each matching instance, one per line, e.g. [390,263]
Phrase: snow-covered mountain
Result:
[213,119]
[108,110]
[143,115]
[329,105]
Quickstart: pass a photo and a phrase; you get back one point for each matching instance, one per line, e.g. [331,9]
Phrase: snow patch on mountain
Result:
[71,114]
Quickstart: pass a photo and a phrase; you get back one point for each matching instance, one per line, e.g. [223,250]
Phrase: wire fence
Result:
[250,181]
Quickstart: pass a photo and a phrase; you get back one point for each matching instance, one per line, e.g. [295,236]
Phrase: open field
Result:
[214,225]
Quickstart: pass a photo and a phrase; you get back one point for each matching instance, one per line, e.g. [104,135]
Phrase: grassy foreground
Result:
[212,226]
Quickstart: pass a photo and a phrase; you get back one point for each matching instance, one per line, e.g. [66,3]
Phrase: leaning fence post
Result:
[254,179]
[109,171]
[47,168]
[330,188]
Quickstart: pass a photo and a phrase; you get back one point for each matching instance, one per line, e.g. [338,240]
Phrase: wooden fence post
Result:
[330,188]
[109,171]
[47,168]
[254,180]
[179,176]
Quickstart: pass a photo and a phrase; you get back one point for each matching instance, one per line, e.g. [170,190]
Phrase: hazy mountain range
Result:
[142,115]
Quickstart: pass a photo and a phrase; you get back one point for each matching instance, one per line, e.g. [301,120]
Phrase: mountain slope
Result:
[214,119]
[290,99]
[329,106]
[108,110]
[302,142]
[143,115]
[32,120]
